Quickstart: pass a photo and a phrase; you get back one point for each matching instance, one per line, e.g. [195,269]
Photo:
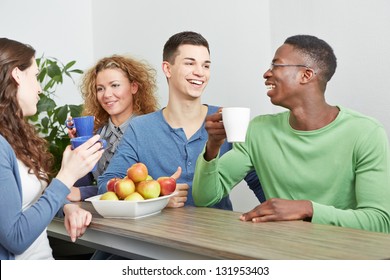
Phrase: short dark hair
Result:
[319,51]
[183,38]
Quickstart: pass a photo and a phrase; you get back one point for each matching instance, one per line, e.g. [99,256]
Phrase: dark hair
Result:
[13,127]
[318,51]
[183,38]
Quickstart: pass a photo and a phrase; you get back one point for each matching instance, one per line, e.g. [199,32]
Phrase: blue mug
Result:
[84,125]
[77,141]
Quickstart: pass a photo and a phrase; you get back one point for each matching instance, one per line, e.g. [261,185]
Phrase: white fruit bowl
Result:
[124,209]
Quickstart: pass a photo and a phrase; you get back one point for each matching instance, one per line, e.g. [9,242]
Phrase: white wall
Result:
[243,36]
[238,36]
[359,32]
[55,28]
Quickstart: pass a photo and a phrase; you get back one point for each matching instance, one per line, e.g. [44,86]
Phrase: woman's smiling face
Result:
[115,94]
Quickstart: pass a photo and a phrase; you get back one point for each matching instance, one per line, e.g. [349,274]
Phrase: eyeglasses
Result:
[273,65]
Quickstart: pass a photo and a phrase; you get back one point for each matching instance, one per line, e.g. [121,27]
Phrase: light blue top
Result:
[18,230]
[151,140]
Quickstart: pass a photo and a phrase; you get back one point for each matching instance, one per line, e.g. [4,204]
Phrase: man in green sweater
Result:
[317,162]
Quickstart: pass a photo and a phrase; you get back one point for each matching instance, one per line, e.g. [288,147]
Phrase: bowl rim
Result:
[97,198]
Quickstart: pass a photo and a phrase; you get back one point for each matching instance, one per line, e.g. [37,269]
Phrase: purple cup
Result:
[77,141]
[84,125]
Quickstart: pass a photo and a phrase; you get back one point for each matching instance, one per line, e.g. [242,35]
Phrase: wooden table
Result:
[205,233]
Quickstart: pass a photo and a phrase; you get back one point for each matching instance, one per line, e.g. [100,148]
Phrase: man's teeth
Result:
[270,86]
[196,82]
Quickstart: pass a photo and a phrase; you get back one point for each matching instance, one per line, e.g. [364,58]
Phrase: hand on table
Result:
[180,198]
[277,209]
[76,220]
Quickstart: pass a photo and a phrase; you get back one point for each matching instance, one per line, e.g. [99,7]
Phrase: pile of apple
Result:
[138,185]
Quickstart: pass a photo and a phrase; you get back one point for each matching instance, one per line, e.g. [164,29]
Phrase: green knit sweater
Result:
[343,168]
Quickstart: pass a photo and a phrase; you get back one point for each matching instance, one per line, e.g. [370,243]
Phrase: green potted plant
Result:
[50,118]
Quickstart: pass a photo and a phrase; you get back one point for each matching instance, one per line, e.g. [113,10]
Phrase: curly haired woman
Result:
[115,90]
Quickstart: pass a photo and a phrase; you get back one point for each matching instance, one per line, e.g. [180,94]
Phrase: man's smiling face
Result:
[190,72]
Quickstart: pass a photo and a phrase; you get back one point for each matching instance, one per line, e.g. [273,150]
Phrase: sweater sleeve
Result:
[215,179]
[88,191]
[20,229]
[86,187]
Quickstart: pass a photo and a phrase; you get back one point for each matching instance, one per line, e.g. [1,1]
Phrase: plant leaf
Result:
[75,110]
[49,119]
[78,71]
[45,122]
[53,70]
[62,114]
[70,64]
[46,104]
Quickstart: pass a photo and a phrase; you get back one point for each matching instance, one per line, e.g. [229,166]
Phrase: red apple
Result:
[135,196]
[167,185]
[149,189]
[111,183]
[137,172]
[124,187]
[109,196]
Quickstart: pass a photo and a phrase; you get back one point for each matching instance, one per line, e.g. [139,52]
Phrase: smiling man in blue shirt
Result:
[174,136]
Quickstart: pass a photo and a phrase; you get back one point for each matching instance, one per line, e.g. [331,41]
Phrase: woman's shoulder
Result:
[6,149]
[4,143]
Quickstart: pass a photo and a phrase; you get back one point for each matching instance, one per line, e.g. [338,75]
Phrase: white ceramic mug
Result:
[236,121]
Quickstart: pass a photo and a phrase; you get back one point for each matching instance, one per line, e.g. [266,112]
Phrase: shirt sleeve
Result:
[215,179]
[88,191]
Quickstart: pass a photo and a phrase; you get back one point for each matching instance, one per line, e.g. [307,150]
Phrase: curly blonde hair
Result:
[145,100]
[14,128]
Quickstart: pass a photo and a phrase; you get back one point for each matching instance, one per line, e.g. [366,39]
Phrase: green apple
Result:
[149,189]
[109,196]
[135,196]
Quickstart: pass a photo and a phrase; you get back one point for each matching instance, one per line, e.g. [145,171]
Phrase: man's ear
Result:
[166,67]
[15,75]
[307,75]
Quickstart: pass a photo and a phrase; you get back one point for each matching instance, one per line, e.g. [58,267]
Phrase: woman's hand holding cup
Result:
[79,161]
[80,126]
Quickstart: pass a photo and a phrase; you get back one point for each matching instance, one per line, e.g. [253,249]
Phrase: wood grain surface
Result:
[220,234]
